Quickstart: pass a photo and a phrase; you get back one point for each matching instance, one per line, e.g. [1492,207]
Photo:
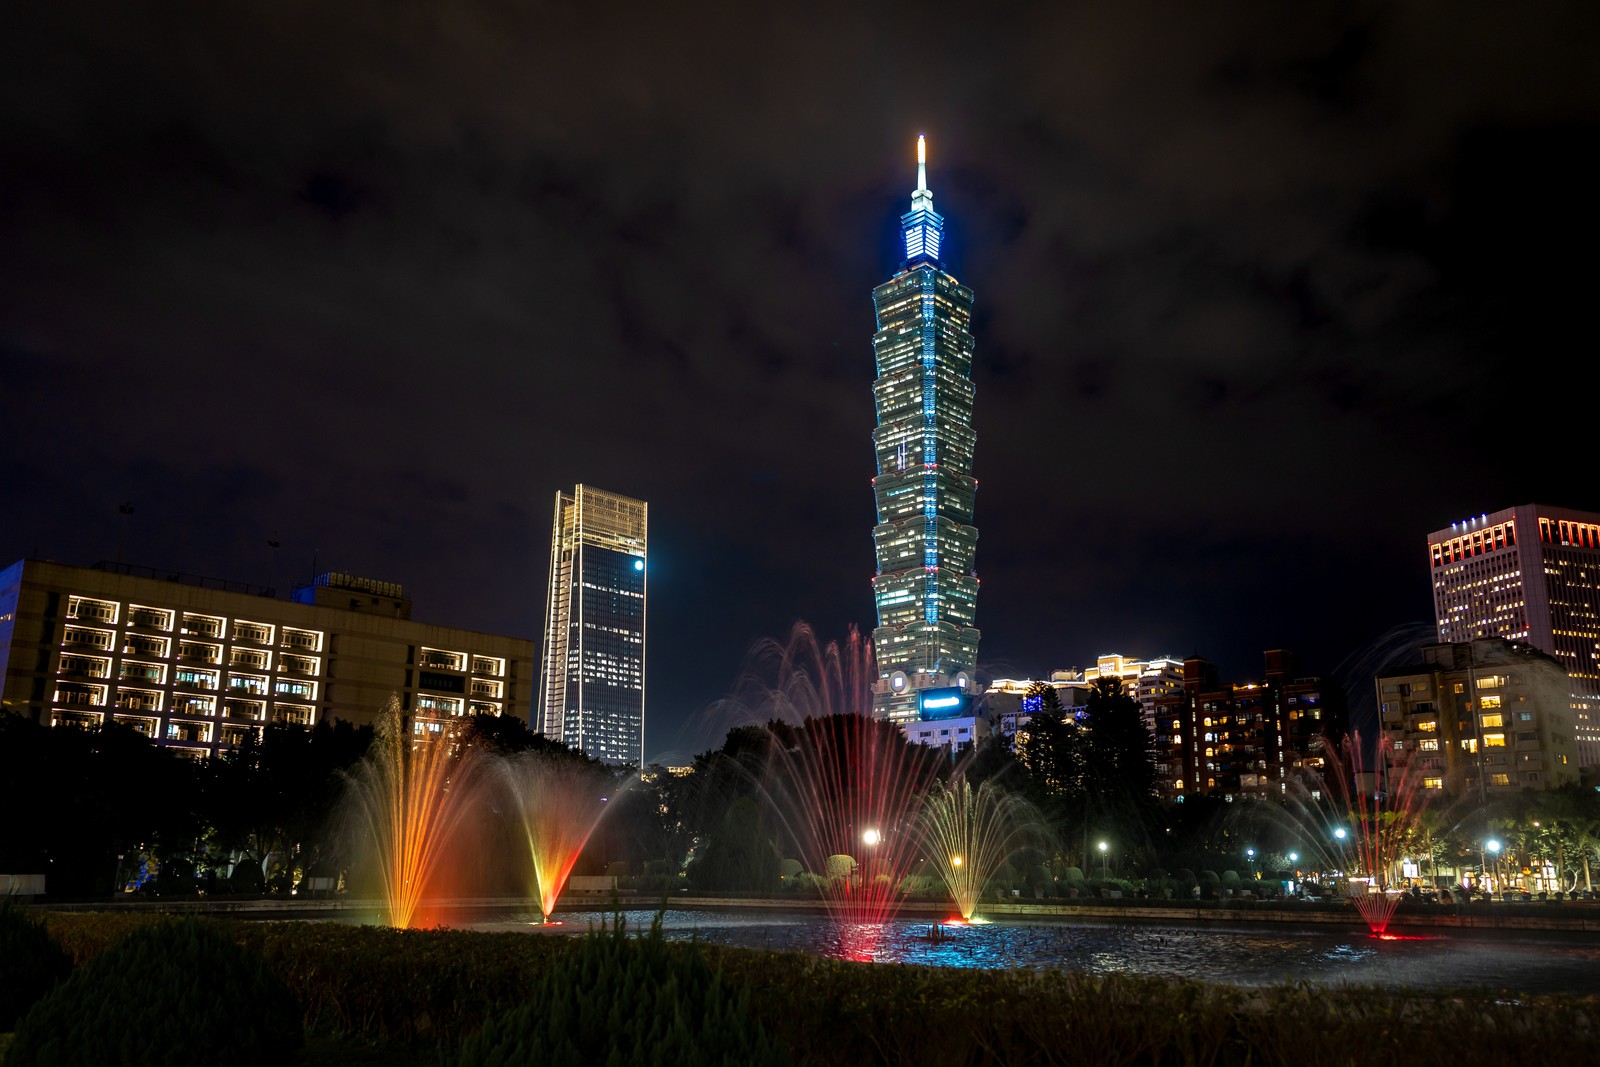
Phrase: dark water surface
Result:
[1514,961]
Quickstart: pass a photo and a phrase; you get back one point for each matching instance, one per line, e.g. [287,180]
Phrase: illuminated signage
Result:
[941,703]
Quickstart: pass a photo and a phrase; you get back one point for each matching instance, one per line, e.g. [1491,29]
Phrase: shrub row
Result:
[441,986]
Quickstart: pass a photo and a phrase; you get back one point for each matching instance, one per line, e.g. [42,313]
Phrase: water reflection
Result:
[1520,962]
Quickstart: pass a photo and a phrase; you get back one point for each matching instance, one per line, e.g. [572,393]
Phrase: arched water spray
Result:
[409,796]
[558,800]
[971,833]
[1360,817]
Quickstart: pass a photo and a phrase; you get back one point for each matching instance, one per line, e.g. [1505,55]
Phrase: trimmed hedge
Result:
[438,987]
[172,994]
[30,963]
[624,999]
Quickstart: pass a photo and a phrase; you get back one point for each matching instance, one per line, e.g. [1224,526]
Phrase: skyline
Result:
[1263,298]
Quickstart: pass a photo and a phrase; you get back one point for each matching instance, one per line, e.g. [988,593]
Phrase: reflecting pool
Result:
[1519,961]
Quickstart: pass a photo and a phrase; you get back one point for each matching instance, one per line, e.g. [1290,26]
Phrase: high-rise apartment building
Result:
[1480,717]
[1529,573]
[594,635]
[926,643]
[1245,738]
[200,665]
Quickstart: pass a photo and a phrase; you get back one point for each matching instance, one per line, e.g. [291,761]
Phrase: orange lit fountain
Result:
[411,792]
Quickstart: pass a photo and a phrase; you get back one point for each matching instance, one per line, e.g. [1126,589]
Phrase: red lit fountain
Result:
[1367,823]
[559,799]
[848,788]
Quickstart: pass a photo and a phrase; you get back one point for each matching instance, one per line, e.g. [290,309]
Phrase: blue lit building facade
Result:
[926,591]
[592,689]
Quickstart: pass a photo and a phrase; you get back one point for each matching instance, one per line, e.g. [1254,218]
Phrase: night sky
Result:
[1265,293]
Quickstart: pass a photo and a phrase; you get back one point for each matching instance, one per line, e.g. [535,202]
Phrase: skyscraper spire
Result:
[922,225]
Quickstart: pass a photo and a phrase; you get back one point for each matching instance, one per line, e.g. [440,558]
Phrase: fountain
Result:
[1366,824]
[971,833]
[410,794]
[559,799]
[846,787]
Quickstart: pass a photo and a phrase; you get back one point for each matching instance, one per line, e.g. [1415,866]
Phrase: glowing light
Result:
[871,838]
[638,564]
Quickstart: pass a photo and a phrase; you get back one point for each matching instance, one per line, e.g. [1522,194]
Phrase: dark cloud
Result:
[1263,296]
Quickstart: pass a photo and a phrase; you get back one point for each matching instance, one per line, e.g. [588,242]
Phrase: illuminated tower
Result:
[1529,573]
[925,588]
[592,692]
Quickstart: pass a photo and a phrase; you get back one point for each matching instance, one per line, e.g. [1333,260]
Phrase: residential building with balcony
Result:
[1480,718]
[1243,739]
[201,664]
[1531,574]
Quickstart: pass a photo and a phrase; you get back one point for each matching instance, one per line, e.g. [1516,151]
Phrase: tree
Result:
[742,854]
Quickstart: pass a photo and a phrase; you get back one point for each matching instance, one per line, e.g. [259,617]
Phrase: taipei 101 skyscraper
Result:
[926,590]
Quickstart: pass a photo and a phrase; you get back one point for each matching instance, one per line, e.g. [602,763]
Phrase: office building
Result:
[594,638]
[1243,739]
[1531,574]
[926,591]
[1480,717]
[202,664]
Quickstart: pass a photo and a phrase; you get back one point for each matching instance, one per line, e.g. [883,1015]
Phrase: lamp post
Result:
[1104,862]
[1493,846]
[870,838]
[1250,862]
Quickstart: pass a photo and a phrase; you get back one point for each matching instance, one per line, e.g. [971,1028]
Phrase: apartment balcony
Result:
[101,643]
[247,710]
[84,672]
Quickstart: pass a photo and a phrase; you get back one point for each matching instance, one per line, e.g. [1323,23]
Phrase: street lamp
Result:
[1104,865]
[1493,846]
[871,838]
[1250,861]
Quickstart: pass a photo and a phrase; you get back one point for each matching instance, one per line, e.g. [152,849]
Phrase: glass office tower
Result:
[925,587]
[593,685]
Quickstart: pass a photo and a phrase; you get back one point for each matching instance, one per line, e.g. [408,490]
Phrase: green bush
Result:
[174,993]
[30,963]
[623,999]
[246,879]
